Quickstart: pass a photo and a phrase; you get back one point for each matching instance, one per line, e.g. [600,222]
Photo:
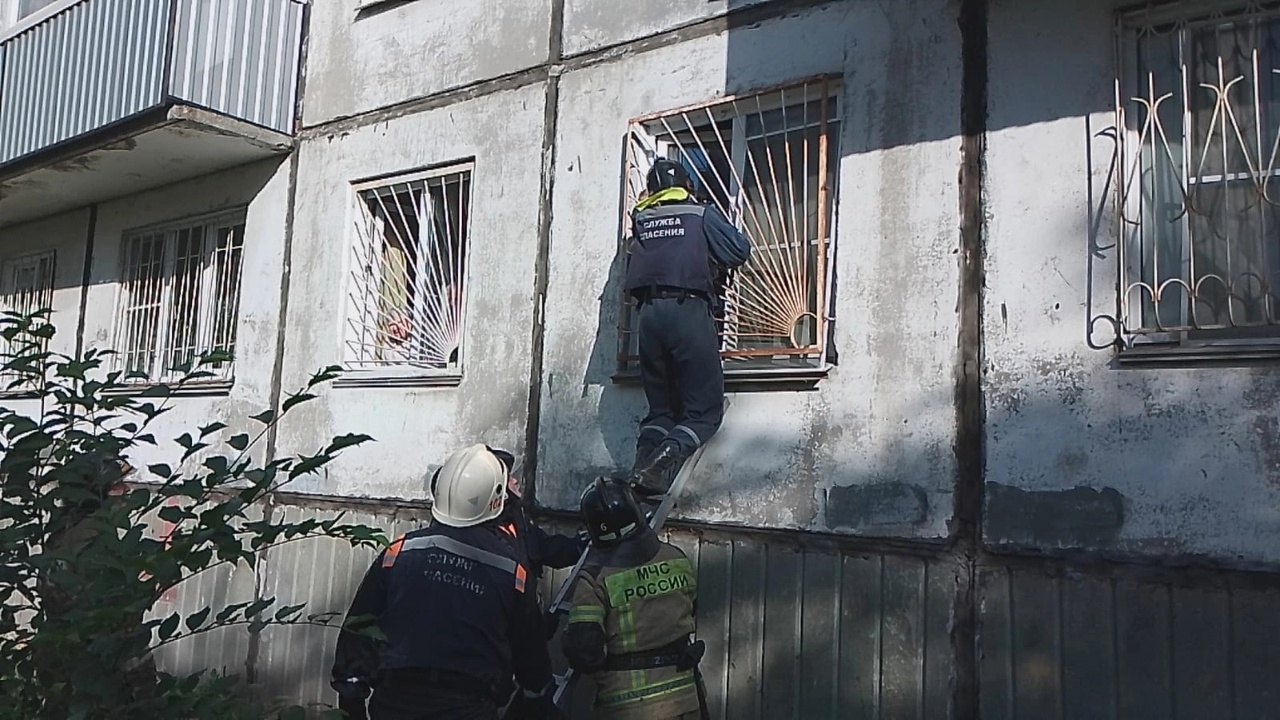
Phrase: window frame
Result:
[223,377]
[1139,340]
[359,373]
[823,90]
[8,290]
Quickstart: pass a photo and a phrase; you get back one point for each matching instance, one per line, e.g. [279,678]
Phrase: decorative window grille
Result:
[27,284]
[409,272]
[1198,109]
[769,161]
[180,297]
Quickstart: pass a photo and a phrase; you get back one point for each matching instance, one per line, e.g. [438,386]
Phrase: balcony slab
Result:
[160,148]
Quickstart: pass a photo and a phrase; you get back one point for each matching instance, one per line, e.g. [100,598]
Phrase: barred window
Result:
[180,297]
[1198,106]
[409,271]
[769,161]
[27,287]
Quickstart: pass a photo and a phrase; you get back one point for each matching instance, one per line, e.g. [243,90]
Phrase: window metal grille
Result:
[769,161]
[27,284]
[180,297]
[1198,109]
[409,272]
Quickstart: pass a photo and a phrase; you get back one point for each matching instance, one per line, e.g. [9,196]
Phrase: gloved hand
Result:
[583,540]
[354,707]
[351,699]
[552,621]
[534,706]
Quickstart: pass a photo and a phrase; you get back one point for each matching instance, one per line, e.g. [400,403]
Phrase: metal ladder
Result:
[657,518]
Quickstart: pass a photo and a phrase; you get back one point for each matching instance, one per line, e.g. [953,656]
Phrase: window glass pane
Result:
[408,293]
[1198,204]
[180,299]
[27,7]
[141,312]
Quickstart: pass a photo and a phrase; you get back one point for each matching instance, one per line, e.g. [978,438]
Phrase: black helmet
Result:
[610,512]
[667,174]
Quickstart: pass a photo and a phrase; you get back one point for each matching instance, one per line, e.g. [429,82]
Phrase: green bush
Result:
[79,567]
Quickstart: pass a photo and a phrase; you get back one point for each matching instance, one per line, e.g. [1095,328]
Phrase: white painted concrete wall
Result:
[1176,461]
[1079,453]
[399,51]
[262,187]
[417,428]
[880,427]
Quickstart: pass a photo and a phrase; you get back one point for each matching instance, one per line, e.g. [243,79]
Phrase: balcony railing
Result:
[99,62]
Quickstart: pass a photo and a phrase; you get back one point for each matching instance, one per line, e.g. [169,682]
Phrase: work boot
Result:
[654,476]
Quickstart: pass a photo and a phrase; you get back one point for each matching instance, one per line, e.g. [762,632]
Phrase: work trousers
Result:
[682,374]
[410,701]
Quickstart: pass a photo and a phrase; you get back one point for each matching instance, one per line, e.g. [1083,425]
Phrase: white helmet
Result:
[469,489]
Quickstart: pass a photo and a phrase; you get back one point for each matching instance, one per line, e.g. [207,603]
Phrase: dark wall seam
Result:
[546,193]
[86,275]
[966,527]
[525,77]
[277,366]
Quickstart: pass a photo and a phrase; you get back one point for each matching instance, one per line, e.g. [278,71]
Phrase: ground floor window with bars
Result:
[408,275]
[769,161]
[180,297]
[1198,109]
[27,287]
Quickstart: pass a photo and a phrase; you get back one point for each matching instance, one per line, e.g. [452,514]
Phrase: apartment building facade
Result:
[1002,435]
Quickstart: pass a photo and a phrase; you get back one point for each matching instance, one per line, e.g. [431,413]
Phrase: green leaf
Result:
[294,713]
[295,400]
[161,470]
[239,442]
[163,391]
[211,428]
[265,417]
[342,442]
[173,514]
[169,627]
[196,620]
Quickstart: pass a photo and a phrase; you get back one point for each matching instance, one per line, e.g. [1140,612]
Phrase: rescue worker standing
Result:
[678,245]
[632,615]
[533,545]
[454,606]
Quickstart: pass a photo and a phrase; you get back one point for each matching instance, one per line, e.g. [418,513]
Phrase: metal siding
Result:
[86,67]
[1256,659]
[807,633]
[239,58]
[1088,649]
[102,61]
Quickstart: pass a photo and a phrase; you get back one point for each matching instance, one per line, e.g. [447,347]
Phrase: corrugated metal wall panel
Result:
[294,662]
[86,67]
[796,632]
[1080,646]
[790,633]
[239,58]
[102,61]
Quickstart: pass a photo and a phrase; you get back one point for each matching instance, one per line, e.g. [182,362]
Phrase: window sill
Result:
[398,379]
[205,388]
[753,380]
[1151,355]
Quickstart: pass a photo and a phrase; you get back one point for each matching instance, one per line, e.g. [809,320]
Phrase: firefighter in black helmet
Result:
[633,615]
[679,246]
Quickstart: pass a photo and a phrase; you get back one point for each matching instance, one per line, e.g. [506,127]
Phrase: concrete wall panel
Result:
[416,428]
[591,24]
[869,451]
[398,51]
[1081,453]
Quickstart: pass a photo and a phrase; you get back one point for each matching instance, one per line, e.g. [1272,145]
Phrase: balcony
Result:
[102,98]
